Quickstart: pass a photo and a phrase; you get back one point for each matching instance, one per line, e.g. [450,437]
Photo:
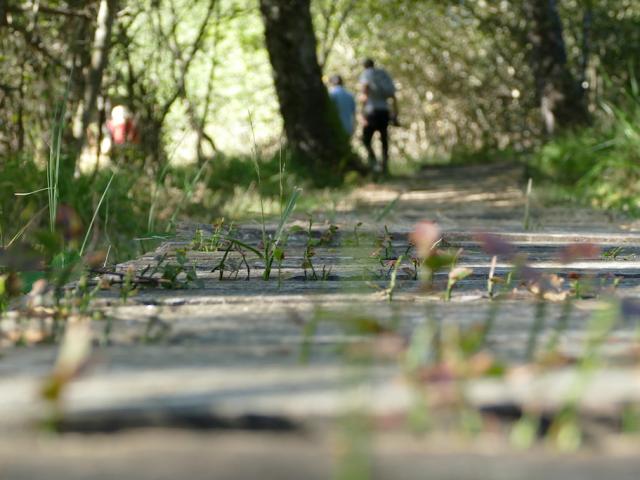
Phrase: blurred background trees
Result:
[472,74]
[553,82]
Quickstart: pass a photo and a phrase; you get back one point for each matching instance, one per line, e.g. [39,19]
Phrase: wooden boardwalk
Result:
[290,356]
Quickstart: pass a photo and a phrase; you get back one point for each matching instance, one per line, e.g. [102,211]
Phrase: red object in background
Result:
[123,131]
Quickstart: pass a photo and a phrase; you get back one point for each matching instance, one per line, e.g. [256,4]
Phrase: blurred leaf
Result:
[579,251]
[459,273]
[96,259]
[20,258]
[366,325]
[495,245]
[68,222]
[425,236]
[438,261]
[10,285]
[73,356]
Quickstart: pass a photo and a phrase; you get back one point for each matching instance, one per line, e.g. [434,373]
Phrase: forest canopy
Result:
[193,72]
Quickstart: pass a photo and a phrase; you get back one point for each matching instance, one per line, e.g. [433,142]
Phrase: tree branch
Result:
[328,43]
[50,10]
[186,64]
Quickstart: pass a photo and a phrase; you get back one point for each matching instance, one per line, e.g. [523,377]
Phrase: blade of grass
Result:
[387,209]
[256,165]
[288,210]
[53,165]
[25,227]
[188,193]
[25,194]
[392,281]
[244,245]
[95,214]
[281,167]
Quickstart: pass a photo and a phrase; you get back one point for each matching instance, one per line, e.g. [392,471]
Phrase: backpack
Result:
[382,83]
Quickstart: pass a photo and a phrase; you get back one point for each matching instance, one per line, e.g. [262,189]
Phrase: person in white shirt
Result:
[376,90]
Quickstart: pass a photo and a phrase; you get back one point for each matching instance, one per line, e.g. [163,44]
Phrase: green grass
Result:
[137,205]
[599,165]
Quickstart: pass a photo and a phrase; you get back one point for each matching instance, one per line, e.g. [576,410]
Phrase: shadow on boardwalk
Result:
[182,372]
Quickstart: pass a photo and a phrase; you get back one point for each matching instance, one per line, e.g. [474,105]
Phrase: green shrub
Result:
[599,164]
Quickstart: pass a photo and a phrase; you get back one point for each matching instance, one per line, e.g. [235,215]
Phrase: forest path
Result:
[290,356]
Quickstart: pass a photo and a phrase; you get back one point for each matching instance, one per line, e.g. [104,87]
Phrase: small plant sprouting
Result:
[222,264]
[388,208]
[491,277]
[328,235]
[384,249]
[128,287]
[213,243]
[309,253]
[180,275]
[85,294]
[356,234]
[393,278]
[425,237]
[612,253]
[270,243]
[279,255]
[455,275]
[537,326]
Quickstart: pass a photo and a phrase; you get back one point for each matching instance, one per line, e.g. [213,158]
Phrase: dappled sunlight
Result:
[319,239]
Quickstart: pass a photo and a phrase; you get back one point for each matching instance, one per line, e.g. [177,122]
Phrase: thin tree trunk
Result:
[311,123]
[587,23]
[20,115]
[561,96]
[3,13]
[99,58]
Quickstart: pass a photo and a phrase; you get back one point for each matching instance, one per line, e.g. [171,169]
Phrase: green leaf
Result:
[181,256]
[438,261]
[296,229]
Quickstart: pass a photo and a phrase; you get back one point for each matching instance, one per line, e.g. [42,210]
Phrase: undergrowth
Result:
[598,165]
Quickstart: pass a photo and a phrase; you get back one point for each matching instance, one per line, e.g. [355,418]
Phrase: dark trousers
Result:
[377,121]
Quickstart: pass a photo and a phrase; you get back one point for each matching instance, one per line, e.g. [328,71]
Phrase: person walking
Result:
[345,103]
[376,91]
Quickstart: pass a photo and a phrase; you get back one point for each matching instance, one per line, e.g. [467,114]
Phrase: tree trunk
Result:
[99,57]
[311,123]
[3,13]
[562,98]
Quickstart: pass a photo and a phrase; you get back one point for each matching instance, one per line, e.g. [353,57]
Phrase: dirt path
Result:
[226,355]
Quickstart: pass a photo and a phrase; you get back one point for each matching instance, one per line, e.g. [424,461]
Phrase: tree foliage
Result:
[471,73]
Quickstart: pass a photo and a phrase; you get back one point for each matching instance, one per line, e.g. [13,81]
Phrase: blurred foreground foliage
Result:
[196,76]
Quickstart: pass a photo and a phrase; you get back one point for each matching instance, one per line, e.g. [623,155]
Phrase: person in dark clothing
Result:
[377,89]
